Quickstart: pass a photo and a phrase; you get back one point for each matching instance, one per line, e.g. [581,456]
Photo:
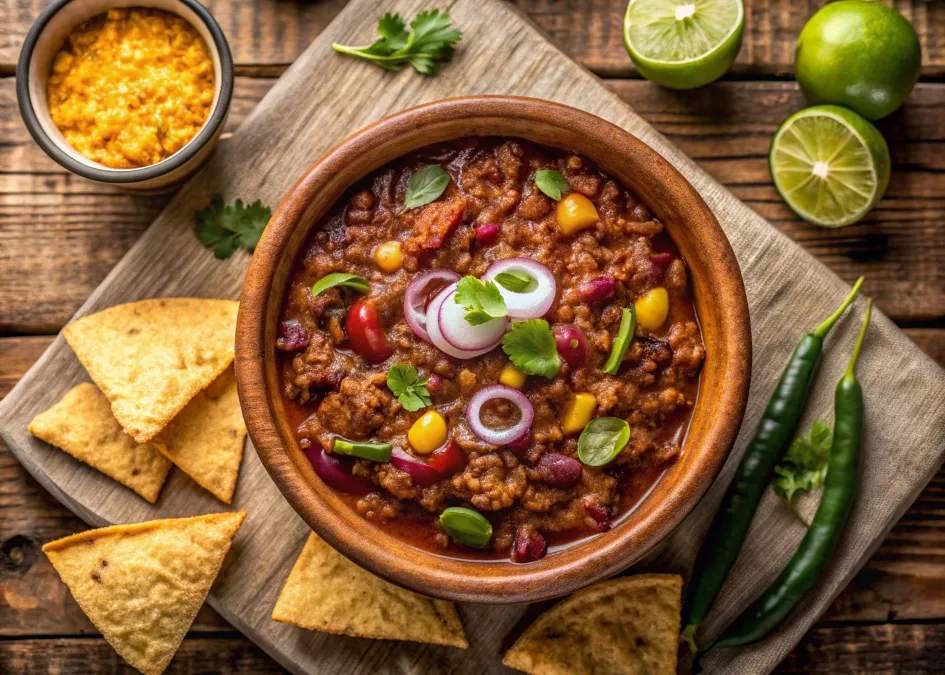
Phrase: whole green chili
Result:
[777,426]
[376,452]
[821,539]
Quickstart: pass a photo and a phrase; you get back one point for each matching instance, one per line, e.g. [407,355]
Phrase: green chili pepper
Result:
[628,324]
[777,426]
[821,539]
[466,526]
[376,452]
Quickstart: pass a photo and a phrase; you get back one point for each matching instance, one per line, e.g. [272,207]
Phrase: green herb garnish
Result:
[516,281]
[530,345]
[602,440]
[552,183]
[466,526]
[227,227]
[429,43]
[482,300]
[426,185]
[804,466]
[376,452]
[359,284]
[628,324]
[408,387]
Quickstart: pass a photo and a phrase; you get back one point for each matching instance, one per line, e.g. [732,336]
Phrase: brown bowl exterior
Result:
[720,303]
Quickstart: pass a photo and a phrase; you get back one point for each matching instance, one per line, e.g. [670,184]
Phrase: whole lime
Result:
[859,54]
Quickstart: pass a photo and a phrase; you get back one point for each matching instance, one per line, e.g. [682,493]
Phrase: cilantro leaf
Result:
[530,345]
[409,389]
[552,183]
[482,300]
[430,42]
[227,227]
[804,466]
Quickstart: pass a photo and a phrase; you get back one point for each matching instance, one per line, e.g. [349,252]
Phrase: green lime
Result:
[829,164]
[683,44]
[863,55]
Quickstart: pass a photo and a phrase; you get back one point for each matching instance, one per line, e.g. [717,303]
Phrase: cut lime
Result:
[829,164]
[683,44]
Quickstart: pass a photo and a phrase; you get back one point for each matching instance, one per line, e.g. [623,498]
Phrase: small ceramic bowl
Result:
[48,34]
[721,306]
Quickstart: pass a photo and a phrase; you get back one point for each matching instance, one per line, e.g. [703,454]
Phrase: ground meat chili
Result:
[426,447]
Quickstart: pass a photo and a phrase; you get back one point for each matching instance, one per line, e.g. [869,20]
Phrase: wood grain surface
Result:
[60,236]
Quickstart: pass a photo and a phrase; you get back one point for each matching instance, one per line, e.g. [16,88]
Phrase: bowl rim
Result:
[106,174]
[499,582]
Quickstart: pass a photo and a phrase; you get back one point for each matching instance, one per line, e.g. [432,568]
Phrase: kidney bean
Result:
[487,234]
[434,383]
[364,329]
[529,547]
[292,336]
[559,470]
[602,288]
[600,516]
[571,345]
[522,444]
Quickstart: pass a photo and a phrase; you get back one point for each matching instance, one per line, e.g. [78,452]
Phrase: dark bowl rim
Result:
[144,173]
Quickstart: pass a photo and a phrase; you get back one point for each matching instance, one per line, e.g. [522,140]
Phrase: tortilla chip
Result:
[327,592]
[82,424]
[142,585]
[151,357]
[628,625]
[206,439]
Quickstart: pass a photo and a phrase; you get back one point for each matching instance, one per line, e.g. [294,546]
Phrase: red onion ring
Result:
[436,336]
[418,293]
[420,471]
[500,436]
[463,335]
[533,304]
[336,472]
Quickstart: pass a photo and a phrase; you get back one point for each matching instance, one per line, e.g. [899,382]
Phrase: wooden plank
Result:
[60,235]
[271,32]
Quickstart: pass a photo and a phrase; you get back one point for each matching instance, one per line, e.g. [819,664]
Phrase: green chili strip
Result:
[376,452]
[628,324]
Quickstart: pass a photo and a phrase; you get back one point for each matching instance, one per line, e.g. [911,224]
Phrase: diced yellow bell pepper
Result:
[578,412]
[428,433]
[652,309]
[512,377]
[389,256]
[575,212]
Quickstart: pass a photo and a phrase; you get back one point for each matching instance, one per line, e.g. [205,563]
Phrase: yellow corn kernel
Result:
[575,212]
[512,377]
[652,309]
[389,257]
[428,433]
[578,412]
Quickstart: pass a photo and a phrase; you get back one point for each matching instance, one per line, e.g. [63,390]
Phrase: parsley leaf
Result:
[516,281]
[227,227]
[530,345]
[482,300]
[429,43]
[426,185]
[552,183]
[409,389]
[804,466]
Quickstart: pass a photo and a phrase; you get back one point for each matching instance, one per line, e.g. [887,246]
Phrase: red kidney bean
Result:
[292,336]
[559,470]
[600,516]
[434,382]
[602,288]
[364,329]
[660,262]
[571,345]
[522,444]
[529,547]
[487,234]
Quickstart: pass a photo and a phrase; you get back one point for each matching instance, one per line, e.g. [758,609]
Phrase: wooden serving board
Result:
[321,99]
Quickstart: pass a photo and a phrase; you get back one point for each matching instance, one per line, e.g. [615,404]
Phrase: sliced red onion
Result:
[337,473]
[417,469]
[500,436]
[436,336]
[534,303]
[418,293]
[462,334]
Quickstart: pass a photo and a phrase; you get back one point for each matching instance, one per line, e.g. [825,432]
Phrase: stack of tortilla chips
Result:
[165,394]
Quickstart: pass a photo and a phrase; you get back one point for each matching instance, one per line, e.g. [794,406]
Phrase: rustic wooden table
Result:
[60,235]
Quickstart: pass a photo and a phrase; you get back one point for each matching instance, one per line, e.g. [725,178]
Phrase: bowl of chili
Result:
[338,439]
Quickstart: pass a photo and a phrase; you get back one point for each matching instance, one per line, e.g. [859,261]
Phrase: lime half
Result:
[683,44]
[829,164]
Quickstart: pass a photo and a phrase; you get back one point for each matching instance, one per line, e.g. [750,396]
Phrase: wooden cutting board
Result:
[321,99]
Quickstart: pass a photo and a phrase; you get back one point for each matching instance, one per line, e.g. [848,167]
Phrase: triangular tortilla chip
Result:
[151,357]
[82,424]
[327,592]
[206,438]
[142,585]
[625,626]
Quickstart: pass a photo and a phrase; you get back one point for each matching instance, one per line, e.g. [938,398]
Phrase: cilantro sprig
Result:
[530,345]
[430,42]
[408,387]
[227,227]
[481,299]
[804,467]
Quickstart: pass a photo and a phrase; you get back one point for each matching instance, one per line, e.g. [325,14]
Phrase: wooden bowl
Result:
[720,303]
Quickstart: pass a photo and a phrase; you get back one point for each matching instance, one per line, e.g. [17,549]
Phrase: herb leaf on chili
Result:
[516,281]
[530,346]
[408,387]
[602,440]
[227,227]
[425,186]
[804,466]
[354,281]
[552,183]
[481,299]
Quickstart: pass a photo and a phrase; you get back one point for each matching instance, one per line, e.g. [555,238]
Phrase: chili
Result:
[376,452]
[628,324]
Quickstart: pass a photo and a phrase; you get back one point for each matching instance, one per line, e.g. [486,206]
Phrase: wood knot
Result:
[18,553]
